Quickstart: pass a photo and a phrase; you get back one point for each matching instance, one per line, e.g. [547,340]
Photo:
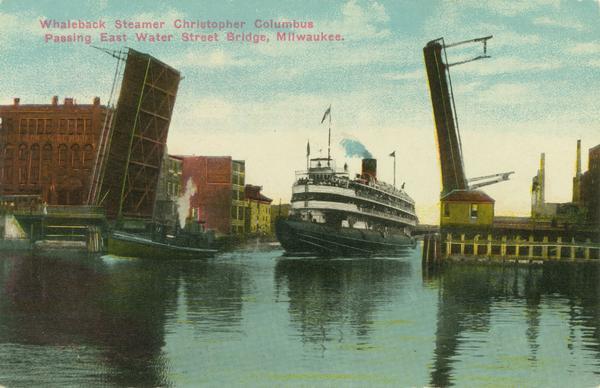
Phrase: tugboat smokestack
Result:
[369,169]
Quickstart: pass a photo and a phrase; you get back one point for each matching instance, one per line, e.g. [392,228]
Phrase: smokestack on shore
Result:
[369,169]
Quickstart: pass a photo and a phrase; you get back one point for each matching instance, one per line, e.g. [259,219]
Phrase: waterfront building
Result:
[467,208]
[553,212]
[539,207]
[219,200]
[258,215]
[168,189]
[590,187]
[49,150]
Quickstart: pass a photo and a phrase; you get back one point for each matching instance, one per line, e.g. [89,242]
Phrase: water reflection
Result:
[120,308]
[120,311]
[213,294]
[470,295]
[327,296]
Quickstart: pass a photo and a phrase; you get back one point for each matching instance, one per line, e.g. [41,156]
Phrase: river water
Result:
[255,318]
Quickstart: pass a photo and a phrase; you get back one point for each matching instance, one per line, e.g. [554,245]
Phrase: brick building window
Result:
[32,127]
[35,164]
[8,174]
[75,156]
[9,153]
[47,152]
[23,175]
[35,152]
[23,152]
[35,175]
[80,126]
[88,155]
[62,155]
[49,126]
[23,127]
[8,124]
[62,126]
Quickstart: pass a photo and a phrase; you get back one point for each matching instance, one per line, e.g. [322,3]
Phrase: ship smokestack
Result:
[369,169]
[542,175]
[578,160]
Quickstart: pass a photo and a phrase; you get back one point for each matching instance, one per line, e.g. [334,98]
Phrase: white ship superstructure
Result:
[324,195]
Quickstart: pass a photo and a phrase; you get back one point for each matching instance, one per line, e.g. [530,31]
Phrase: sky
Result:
[263,102]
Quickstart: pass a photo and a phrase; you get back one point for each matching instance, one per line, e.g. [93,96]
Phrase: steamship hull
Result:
[303,238]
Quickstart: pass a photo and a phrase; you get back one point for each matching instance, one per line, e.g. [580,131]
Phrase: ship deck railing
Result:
[352,208]
[387,189]
[334,181]
[386,215]
[346,183]
[384,201]
[341,179]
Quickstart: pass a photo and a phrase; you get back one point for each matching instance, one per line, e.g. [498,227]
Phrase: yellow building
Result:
[466,207]
[258,217]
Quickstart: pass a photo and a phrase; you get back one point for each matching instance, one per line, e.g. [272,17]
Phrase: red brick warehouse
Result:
[49,149]
[219,200]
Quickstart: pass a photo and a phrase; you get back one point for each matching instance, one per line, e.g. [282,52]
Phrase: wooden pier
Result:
[507,249]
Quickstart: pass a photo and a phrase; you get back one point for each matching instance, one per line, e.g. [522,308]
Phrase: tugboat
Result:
[184,244]
[333,215]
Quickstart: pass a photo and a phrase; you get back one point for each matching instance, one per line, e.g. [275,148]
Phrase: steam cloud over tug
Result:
[332,214]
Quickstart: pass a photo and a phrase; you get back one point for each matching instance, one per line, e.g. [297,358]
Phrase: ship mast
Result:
[328,113]
[329,140]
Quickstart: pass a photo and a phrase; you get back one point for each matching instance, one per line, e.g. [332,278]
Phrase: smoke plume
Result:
[183,202]
[355,148]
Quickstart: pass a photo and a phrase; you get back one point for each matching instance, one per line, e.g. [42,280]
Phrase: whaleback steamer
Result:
[335,215]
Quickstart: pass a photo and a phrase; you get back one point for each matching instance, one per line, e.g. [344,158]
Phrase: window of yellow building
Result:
[474,210]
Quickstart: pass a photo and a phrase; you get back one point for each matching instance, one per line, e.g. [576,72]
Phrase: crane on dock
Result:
[446,118]
[489,179]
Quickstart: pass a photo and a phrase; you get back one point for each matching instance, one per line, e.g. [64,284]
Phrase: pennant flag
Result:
[308,148]
[327,113]
[393,154]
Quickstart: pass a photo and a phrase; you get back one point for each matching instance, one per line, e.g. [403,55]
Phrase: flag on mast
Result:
[327,113]
[393,154]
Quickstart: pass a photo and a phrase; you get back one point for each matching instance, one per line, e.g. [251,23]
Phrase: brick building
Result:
[219,200]
[49,149]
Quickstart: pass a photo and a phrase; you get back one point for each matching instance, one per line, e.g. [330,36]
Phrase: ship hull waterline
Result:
[303,238]
[137,247]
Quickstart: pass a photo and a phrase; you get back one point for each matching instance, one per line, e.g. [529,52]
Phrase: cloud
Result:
[585,48]
[507,8]
[214,59]
[210,108]
[17,27]
[405,76]
[506,65]
[507,94]
[510,38]
[562,23]
[361,20]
